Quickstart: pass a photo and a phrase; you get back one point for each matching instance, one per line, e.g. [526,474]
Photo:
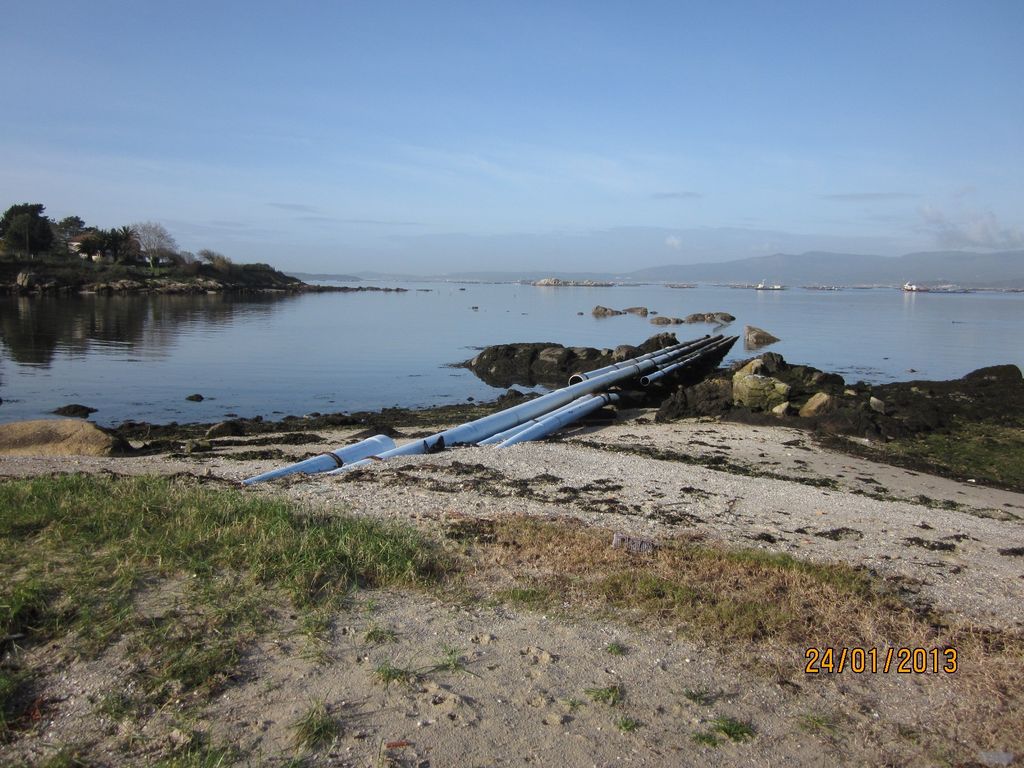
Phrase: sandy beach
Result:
[515,688]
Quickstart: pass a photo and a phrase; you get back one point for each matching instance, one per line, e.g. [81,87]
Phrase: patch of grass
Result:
[732,729]
[705,739]
[736,596]
[387,673]
[627,724]
[317,727]
[819,723]
[451,660]
[380,635]
[610,695]
[199,754]
[67,757]
[528,597]
[316,624]
[616,649]
[705,697]
[119,706]
[186,655]
[96,558]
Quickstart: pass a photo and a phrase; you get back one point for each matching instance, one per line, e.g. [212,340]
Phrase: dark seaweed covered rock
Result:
[74,410]
[551,364]
[711,397]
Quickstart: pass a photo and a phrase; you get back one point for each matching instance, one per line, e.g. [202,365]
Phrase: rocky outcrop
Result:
[711,397]
[600,311]
[716,318]
[56,437]
[25,280]
[74,410]
[551,364]
[757,392]
[755,338]
[664,320]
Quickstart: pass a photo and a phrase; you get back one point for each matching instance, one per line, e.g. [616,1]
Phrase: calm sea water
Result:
[138,357]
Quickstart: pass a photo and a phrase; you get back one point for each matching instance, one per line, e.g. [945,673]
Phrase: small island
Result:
[41,256]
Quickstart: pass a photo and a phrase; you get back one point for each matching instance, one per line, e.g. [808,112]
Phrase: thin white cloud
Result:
[975,230]
[673,242]
[676,195]
[869,197]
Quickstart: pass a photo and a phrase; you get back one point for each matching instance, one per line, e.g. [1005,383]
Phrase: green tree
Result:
[124,245]
[25,229]
[66,229]
[92,243]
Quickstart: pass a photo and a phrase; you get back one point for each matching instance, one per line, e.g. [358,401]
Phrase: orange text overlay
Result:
[904,661]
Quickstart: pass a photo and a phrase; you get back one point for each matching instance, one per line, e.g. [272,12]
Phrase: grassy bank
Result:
[179,581]
[188,575]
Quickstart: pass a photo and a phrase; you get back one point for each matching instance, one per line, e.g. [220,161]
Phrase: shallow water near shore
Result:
[138,357]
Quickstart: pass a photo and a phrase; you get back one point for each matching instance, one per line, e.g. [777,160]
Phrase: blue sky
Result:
[422,137]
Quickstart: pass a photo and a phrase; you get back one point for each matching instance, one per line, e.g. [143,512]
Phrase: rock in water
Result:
[718,318]
[56,437]
[196,398]
[74,410]
[754,337]
[600,311]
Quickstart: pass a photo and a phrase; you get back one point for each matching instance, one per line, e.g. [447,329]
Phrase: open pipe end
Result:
[576,379]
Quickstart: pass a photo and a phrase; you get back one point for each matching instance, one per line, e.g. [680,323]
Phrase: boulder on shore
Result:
[755,338]
[56,437]
[757,392]
[711,397]
[819,404]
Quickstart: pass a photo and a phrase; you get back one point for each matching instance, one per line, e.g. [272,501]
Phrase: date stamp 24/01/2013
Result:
[904,661]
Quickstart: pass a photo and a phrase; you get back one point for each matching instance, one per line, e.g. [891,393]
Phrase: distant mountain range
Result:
[1004,269]
[970,270]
